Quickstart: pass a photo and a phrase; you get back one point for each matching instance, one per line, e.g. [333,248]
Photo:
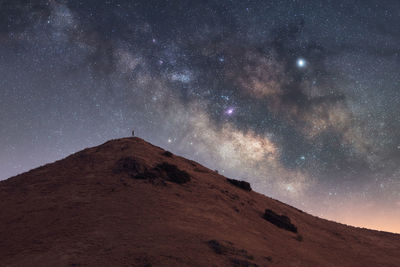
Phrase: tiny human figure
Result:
[133,133]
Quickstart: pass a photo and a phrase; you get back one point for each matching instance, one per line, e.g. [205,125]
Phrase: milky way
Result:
[300,98]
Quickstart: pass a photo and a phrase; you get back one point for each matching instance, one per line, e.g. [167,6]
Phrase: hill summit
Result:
[129,203]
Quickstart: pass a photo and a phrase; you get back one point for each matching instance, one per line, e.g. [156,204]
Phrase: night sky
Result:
[300,98]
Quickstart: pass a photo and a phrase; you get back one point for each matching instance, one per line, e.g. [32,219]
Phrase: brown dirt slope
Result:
[129,203]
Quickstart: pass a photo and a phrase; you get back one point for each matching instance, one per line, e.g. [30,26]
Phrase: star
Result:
[229,111]
[301,63]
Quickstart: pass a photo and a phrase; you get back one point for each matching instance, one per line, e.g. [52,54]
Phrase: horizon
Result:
[346,221]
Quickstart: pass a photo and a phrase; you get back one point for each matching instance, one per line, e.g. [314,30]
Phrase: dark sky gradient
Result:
[300,98]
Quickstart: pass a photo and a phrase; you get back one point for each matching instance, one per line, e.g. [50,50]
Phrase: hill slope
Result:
[129,203]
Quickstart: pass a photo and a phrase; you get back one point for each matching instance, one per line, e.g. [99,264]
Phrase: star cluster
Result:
[300,98]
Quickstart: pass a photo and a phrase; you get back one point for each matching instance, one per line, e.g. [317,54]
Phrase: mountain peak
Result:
[128,202]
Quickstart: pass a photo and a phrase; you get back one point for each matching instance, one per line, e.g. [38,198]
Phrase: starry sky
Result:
[300,98]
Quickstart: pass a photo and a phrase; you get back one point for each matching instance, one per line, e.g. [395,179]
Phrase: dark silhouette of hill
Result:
[129,203]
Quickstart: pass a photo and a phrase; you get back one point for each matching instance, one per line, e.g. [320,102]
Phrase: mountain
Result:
[129,203]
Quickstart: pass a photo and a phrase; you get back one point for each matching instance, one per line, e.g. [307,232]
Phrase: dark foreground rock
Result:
[281,221]
[128,165]
[241,184]
[238,257]
[166,172]
[168,154]
[172,173]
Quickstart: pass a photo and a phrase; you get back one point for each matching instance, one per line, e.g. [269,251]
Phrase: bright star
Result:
[301,63]
[229,111]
